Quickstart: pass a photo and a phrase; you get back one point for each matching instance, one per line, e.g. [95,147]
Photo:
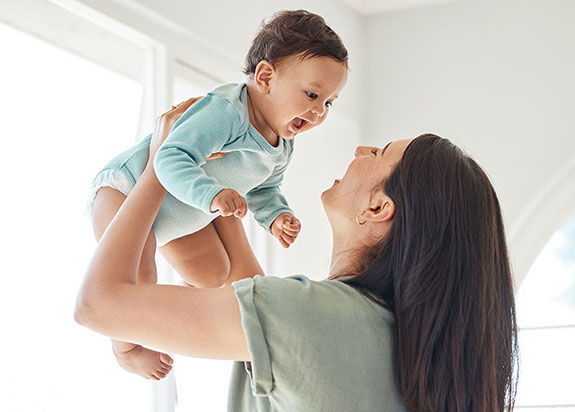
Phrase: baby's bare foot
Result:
[145,362]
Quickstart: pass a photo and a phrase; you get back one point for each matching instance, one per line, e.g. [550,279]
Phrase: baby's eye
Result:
[311,95]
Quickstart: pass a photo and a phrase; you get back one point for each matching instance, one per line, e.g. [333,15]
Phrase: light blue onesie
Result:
[219,122]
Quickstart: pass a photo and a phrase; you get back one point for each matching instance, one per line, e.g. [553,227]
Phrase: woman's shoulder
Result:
[300,294]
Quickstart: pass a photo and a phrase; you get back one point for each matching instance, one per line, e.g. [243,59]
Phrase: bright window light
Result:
[546,317]
[63,118]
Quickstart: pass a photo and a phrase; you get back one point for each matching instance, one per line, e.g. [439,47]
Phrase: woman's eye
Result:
[311,95]
[374,151]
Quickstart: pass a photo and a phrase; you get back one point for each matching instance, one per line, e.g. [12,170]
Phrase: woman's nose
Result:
[360,151]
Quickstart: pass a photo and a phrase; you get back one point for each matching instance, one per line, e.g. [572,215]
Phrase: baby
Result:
[295,69]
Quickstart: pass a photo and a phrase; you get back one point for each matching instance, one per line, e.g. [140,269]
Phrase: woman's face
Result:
[351,195]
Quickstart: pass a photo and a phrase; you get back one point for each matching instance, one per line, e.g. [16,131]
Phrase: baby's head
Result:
[298,65]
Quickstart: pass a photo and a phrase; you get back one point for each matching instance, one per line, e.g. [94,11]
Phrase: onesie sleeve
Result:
[201,131]
[266,201]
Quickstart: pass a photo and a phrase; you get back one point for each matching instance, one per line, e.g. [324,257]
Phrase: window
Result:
[546,318]
[63,118]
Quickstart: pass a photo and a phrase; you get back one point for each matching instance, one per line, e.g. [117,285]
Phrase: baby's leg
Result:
[134,358]
[243,262]
[199,258]
[214,256]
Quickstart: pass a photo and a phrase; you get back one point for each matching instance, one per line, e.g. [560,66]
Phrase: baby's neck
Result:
[257,118]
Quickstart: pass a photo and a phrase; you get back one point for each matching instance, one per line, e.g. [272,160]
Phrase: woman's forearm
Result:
[117,256]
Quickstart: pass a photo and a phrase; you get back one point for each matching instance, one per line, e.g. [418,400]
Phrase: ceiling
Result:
[382,6]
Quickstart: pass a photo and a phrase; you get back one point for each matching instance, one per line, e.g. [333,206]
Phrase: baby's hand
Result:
[229,202]
[286,228]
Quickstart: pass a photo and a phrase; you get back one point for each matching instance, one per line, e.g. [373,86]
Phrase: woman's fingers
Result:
[178,110]
[185,105]
[217,155]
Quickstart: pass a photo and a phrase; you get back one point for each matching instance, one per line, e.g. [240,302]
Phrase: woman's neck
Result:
[257,119]
[342,262]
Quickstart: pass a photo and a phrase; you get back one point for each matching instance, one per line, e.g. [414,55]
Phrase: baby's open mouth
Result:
[298,123]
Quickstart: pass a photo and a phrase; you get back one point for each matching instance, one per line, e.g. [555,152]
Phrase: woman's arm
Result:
[194,322]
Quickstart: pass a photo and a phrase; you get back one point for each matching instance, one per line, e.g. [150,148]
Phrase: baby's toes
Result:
[159,374]
[166,360]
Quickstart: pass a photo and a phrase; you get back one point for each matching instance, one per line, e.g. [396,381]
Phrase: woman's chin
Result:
[326,203]
[324,198]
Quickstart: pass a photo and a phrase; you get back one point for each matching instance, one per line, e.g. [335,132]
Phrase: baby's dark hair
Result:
[294,32]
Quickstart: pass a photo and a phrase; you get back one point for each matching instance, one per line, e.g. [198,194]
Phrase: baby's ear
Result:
[263,76]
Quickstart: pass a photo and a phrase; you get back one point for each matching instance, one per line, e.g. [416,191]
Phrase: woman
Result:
[417,314]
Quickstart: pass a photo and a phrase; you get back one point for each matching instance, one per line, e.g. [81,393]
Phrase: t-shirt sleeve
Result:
[276,318]
[201,131]
[314,346]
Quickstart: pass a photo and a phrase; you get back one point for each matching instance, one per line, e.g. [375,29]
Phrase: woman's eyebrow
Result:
[385,148]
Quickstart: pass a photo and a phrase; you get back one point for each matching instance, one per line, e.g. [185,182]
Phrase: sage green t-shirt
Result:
[315,346]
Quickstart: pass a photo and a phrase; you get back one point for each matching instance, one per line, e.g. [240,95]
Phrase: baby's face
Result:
[302,93]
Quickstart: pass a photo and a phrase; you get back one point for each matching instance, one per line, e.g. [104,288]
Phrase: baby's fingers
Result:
[288,239]
[290,231]
[226,209]
[243,208]
[283,242]
[240,207]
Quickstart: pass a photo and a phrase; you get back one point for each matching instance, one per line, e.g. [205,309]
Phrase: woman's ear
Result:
[263,75]
[381,208]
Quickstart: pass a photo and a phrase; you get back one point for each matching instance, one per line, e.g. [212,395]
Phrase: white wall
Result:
[496,77]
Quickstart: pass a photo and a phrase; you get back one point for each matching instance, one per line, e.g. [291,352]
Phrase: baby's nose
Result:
[311,118]
[318,110]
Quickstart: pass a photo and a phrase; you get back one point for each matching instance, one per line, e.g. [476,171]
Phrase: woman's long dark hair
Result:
[443,270]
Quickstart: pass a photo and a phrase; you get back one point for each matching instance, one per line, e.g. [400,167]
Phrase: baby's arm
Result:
[204,129]
[271,209]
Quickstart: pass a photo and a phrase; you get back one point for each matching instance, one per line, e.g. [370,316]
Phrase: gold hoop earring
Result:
[357,219]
